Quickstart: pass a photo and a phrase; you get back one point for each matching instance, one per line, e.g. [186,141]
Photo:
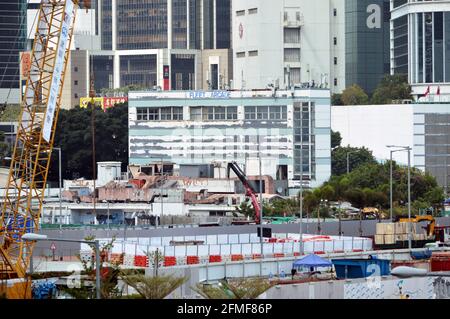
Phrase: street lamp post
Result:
[408,149]
[301,201]
[95,243]
[348,160]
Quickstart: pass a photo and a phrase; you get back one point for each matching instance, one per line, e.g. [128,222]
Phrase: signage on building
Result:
[104,102]
[57,71]
[208,95]
[26,64]
[166,77]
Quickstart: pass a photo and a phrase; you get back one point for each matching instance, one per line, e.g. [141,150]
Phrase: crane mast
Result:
[22,207]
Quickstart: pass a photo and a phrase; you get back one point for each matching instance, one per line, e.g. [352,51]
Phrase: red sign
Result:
[166,77]
[53,246]
[111,101]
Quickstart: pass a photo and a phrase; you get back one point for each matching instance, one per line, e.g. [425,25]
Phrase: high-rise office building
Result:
[173,44]
[367,43]
[420,44]
[12,42]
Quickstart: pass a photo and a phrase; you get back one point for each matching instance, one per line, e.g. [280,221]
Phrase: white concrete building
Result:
[374,127]
[290,41]
[423,126]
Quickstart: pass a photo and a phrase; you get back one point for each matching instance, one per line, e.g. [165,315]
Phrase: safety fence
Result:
[133,254]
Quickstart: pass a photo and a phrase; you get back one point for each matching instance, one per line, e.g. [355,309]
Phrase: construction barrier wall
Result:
[223,248]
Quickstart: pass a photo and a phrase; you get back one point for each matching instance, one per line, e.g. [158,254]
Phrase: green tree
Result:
[354,95]
[156,287]
[336,139]
[246,209]
[74,136]
[392,87]
[357,157]
[108,280]
[236,289]
[336,99]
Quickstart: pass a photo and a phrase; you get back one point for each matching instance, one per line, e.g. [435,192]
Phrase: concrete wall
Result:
[370,288]
[374,127]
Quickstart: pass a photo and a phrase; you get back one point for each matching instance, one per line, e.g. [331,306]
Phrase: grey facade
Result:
[432,141]
[13,39]
[159,43]
[367,42]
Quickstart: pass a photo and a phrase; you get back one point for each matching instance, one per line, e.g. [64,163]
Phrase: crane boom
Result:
[249,190]
[21,210]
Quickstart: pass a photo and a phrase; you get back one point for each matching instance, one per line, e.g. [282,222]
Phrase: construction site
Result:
[200,229]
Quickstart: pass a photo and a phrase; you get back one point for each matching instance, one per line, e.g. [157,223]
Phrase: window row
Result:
[160,114]
[213,113]
[274,112]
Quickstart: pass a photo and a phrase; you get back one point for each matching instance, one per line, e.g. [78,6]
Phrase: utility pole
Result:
[301,201]
[94,171]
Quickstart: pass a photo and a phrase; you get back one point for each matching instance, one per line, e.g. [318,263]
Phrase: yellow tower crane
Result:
[22,207]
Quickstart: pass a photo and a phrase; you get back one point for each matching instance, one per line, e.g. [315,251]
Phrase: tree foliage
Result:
[74,136]
[354,95]
[368,186]
[108,280]
[357,157]
[336,99]
[156,287]
[236,289]
[392,87]
[336,139]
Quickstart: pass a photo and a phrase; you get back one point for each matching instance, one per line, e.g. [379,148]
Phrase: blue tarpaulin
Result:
[312,261]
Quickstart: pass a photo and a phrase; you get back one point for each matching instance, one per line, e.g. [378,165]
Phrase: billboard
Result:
[58,69]
[104,102]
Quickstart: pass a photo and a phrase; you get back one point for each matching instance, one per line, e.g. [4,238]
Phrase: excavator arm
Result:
[417,219]
[249,190]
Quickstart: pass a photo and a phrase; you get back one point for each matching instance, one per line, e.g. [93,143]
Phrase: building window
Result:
[273,112]
[142,114]
[240,13]
[335,41]
[219,113]
[335,82]
[253,53]
[291,35]
[75,69]
[166,114]
[291,55]
[75,95]
[240,55]
[177,113]
[153,114]
[75,82]
[232,113]
[335,60]
[250,112]
[196,113]
[157,114]
[335,12]
[253,11]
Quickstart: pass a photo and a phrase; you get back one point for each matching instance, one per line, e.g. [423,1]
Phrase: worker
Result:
[293,272]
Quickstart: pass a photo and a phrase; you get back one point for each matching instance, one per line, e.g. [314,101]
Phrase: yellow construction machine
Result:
[41,100]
